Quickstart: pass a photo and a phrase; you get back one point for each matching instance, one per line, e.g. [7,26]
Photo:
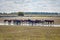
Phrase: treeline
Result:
[15,13]
[39,13]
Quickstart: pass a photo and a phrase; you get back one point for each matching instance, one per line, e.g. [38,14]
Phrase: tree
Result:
[20,14]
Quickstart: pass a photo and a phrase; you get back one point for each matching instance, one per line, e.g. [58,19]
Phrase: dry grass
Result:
[29,33]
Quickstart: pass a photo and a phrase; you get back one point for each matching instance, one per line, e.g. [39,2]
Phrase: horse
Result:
[39,21]
[17,22]
[5,21]
[8,21]
[30,21]
[50,21]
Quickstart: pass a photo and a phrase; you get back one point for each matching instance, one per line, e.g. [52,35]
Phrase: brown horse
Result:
[8,21]
[50,21]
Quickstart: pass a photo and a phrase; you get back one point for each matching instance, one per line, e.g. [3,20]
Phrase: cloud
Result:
[10,6]
[30,5]
[42,5]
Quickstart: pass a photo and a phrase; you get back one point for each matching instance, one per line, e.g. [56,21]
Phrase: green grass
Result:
[29,33]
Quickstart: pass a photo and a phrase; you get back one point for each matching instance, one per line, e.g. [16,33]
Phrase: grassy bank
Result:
[29,33]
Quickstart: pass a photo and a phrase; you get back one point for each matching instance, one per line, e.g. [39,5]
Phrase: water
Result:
[24,24]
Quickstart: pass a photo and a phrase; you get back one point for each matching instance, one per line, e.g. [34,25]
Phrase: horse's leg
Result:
[16,23]
[48,23]
[9,23]
[53,22]
[19,23]
[4,21]
[32,24]
[28,23]
[13,22]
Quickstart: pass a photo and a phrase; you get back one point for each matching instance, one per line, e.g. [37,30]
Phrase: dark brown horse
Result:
[8,21]
[50,21]
[17,22]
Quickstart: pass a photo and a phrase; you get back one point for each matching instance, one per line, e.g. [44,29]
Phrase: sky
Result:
[29,6]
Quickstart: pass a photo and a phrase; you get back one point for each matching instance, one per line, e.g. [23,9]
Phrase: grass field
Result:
[29,33]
